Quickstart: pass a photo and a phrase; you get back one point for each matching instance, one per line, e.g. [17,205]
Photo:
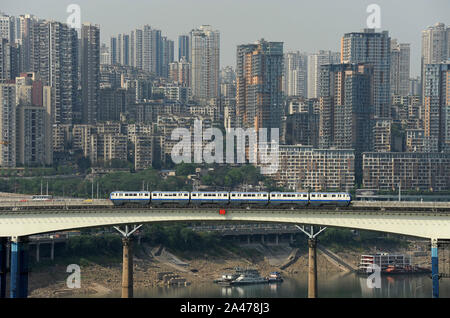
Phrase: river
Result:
[348,285]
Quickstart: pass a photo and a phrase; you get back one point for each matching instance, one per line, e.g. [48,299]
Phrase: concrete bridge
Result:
[21,219]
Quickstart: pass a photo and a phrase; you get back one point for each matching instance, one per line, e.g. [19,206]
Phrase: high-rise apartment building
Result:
[436,105]
[34,145]
[90,72]
[136,48]
[180,72]
[435,47]
[259,98]
[9,61]
[346,106]
[205,47]
[400,68]
[104,54]
[167,48]
[7,27]
[295,74]
[373,48]
[113,50]
[55,59]
[314,62]
[151,50]
[183,48]
[25,36]
[7,125]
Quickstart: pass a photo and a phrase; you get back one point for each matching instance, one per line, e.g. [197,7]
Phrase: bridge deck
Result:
[426,222]
[102,203]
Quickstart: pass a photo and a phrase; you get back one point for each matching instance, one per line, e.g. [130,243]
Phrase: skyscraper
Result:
[136,48]
[435,47]
[113,50]
[25,36]
[9,60]
[314,62]
[436,105]
[7,125]
[7,27]
[400,68]
[167,48]
[295,74]
[346,106]
[205,60]
[374,48]
[33,127]
[183,48]
[151,50]
[90,72]
[180,72]
[259,72]
[55,59]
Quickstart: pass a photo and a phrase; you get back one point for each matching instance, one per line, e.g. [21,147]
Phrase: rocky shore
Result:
[100,280]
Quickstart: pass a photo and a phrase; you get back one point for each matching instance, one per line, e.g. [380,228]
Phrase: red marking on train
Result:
[222,212]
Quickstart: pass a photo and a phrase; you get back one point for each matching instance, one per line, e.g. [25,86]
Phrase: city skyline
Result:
[291,18]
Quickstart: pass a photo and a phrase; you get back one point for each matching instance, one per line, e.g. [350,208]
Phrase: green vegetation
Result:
[227,178]
[219,177]
[178,237]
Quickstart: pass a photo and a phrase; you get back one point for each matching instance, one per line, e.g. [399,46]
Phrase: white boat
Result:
[275,277]
[248,277]
[241,277]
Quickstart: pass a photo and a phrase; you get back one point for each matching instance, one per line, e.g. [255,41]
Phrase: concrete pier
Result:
[435,267]
[127,268]
[19,267]
[312,274]
[3,269]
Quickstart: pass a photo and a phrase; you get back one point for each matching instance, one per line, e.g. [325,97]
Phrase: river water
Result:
[348,285]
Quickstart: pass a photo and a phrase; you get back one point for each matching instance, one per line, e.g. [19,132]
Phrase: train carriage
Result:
[170,197]
[218,198]
[329,198]
[289,198]
[130,197]
[249,198]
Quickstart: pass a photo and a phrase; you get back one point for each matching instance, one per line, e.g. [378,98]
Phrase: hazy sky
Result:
[302,25]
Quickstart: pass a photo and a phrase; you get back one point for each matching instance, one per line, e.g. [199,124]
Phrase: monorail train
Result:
[221,198]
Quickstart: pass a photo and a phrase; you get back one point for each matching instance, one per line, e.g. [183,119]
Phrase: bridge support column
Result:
[52,251]
[19,267]
[127,265]
[3,270]
[127,268]
[37,251]
[276,239]
[435,267]
[312,261]
[312,271]
[262,238]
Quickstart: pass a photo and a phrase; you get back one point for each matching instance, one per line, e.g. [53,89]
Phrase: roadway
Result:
[72,203]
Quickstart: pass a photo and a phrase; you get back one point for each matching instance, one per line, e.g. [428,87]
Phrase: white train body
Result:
[257,198]
[170,197]
[210,197]
[289,198]
[223,198]
[329,198]
[122,197]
